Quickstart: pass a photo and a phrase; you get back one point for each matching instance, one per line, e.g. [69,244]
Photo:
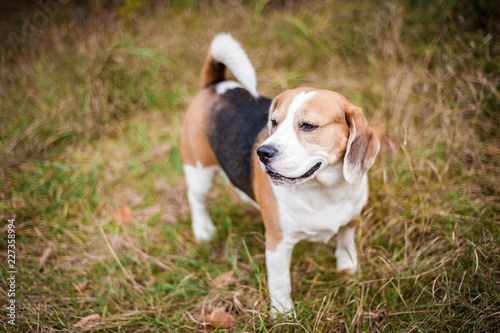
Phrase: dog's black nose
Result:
[266,153]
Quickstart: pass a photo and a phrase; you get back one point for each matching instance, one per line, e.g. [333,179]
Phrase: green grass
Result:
[90,114]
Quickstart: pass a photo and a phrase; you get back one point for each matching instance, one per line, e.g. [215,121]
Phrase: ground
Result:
[92,95]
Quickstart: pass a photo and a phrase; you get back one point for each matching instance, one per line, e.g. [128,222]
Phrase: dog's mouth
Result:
[278,179]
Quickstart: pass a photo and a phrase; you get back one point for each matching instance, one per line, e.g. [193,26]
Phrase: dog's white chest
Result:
[316,213]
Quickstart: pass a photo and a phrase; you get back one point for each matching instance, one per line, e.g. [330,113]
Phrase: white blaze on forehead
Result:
[293,158]
[287,125]
[297,102]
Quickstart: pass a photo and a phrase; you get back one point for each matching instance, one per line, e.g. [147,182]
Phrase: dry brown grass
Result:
[89,123]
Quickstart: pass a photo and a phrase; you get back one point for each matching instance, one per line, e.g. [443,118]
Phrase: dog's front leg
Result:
[278,276]
[347,256]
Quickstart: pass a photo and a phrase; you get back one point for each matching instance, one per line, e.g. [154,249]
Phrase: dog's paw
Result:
[284,314]
[346,262]
[203,231]
[283,308]
[346,267]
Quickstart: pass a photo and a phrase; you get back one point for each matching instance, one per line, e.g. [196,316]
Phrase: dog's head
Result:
[312,129]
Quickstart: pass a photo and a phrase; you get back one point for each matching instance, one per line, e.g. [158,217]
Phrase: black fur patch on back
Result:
[234,122]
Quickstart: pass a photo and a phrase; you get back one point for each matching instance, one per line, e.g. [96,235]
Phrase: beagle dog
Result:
[300,158]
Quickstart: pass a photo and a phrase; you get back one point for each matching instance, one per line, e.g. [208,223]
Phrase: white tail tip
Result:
[228,51]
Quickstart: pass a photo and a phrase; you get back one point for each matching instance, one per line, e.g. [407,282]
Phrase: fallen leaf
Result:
[86,321]
[80,286]
[110,130]
[225,279]
[123,214]
[162,150]
[492,151]
[220,317]
[378,313]
[28,167]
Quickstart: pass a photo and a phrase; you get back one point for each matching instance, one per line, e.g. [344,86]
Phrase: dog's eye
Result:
[273,122]
[307,126]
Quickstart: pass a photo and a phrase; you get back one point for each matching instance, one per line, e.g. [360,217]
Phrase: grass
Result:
[91,108]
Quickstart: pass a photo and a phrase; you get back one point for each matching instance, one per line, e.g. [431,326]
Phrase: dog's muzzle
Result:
[266,153]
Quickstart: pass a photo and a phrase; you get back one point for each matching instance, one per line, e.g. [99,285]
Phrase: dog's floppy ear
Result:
[362,146]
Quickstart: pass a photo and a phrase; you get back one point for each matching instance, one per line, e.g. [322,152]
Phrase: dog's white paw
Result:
[283,307]
[346,261]
[203,229]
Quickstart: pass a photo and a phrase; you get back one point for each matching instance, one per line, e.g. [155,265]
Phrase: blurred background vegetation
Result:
[92,94]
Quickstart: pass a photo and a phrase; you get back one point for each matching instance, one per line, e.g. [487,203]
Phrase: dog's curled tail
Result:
[224,52]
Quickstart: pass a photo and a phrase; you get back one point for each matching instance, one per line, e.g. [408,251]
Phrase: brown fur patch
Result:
[194,144]
[363,148]
[212,72]
[281,103]
[337,120]
[354,222]
[265,198]
[325,109]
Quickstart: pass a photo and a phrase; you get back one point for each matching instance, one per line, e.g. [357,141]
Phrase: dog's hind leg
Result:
[199,181]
